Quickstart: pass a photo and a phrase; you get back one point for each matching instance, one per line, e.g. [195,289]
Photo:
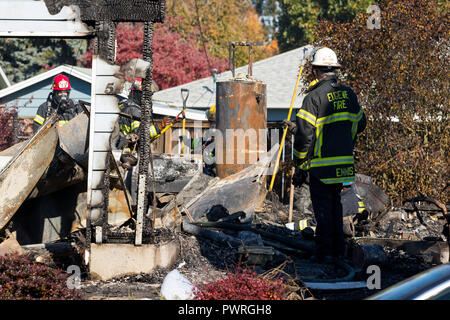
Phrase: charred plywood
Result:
[241,191]
[23,171]
[113,10]
[73,137]
[20,18]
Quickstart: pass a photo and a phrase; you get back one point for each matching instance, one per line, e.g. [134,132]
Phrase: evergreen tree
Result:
[23,58]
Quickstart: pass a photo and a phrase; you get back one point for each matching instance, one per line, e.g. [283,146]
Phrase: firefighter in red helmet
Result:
[57,101]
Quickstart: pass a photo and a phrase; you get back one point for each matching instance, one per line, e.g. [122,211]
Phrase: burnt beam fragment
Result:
[113,10]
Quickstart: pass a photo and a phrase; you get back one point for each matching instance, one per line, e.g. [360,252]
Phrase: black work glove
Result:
[132,137]
[300,177]
[292,128]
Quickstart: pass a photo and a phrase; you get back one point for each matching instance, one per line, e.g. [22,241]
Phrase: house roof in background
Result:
[85,74]
[4,82]
[279,72]
[81,73]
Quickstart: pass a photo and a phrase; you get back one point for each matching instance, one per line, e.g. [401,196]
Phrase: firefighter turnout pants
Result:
[326,202]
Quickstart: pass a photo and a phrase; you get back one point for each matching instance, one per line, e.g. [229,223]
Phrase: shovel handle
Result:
[184,96]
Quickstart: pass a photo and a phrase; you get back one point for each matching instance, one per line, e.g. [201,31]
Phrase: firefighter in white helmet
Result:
[326,129]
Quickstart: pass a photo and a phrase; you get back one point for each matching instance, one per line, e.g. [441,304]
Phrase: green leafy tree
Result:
[400,71]
[298,18]
[215,22]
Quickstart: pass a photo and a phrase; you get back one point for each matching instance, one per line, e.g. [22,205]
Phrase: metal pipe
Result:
[241,118]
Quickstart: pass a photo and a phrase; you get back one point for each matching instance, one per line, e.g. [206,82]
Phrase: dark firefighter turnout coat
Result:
[128,126]
[65,114]
[327,125]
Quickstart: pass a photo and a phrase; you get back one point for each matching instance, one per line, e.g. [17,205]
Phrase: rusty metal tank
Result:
[241,118]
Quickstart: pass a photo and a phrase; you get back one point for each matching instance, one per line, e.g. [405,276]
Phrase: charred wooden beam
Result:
[113,10]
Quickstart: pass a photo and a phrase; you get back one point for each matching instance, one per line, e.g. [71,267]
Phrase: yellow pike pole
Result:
[277,163]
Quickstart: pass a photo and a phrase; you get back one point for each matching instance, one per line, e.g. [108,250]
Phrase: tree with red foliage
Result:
[176,60]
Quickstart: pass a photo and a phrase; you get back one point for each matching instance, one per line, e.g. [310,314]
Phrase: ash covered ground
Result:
[202,260]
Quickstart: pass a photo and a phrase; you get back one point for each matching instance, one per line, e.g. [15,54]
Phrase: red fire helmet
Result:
[137,84]
[61,82]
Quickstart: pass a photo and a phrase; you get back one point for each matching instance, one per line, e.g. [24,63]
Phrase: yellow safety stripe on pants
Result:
[153,132]
[302,224]
[61,123]
[338,180]
[308,117]
[331,161]
[39,119]
[361,206]
[135,124]
[300,155]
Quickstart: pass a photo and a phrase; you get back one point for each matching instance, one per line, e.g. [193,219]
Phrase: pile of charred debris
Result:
[220,224]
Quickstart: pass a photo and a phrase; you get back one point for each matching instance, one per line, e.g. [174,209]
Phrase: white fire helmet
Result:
[325,57]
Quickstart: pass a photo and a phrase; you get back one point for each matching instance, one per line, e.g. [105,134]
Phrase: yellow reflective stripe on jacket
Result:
[300,155]
[331,161]
[125,129]
[153,132]
[325,162]
[319,141]
[338,180]
[61,123]
[305,115]
[341,116]
[304,165]
[135,124]
[39,119]
[312,83]
[354,129]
